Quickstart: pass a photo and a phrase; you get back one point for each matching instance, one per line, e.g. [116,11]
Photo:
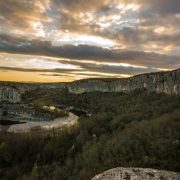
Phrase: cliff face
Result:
[167,82]
[10,94]
[137,174]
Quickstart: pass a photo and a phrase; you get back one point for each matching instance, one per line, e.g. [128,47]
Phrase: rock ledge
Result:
[137,174]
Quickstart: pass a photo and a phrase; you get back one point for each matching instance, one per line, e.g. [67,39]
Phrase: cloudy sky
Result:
[65,40]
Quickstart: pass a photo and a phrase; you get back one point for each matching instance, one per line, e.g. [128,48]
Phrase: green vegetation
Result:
[38,99]
[50,113]
[137,129]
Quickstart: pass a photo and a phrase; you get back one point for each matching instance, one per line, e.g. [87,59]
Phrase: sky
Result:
[67,40]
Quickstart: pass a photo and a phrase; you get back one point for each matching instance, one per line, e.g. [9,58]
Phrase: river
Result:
[44,125]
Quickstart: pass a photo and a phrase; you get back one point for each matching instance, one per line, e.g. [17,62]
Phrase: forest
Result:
[136,129]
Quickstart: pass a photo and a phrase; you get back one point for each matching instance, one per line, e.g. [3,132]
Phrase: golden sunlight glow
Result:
[33,62]
[39,29]
[120,65]
[26,77]
[160,30]
[66,40]
[130,6]
[168,48]
[109,64]
[76,39]
[43,5]
[95,40]
[106,21]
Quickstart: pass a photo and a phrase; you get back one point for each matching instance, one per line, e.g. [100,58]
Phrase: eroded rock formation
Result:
[10,94]
[166,82]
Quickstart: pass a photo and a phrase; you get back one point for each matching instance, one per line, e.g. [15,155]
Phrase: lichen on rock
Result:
[137,174]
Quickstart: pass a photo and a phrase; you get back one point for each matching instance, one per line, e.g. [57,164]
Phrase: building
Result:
[10,95]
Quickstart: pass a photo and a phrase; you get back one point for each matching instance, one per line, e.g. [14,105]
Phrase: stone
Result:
[160,82]
[137,174]
[10,95]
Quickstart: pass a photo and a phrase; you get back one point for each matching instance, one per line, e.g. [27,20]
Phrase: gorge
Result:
[165,82]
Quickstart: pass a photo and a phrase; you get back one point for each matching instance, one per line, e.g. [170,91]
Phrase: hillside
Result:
[135,129]
[139,128]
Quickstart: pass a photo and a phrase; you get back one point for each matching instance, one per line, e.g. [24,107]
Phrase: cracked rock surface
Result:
[137,174]
[160,82]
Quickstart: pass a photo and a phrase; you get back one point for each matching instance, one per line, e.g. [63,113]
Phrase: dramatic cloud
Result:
[85,52]
[81,38]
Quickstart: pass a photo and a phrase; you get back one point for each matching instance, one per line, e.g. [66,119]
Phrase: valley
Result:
[89,89]
[89,133]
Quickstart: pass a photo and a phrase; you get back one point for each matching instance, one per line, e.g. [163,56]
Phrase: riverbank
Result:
[43,125]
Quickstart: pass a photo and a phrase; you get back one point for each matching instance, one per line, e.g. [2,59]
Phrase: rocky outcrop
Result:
[10,94]
[166,82]
[137,174]
[25,86]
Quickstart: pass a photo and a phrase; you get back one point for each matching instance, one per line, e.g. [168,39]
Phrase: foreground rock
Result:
[137,174]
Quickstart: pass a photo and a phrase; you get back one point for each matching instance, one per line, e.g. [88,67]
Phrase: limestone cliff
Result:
[9,94]
[167,82]
[137,174]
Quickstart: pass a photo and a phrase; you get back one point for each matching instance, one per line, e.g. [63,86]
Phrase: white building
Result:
[9,94]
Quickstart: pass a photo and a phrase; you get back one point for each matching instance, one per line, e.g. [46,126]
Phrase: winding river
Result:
[44,125]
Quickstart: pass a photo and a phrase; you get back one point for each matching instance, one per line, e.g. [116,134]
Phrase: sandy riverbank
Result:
[45,125]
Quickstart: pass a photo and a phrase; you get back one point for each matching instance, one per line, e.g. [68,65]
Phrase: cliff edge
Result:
[165,82]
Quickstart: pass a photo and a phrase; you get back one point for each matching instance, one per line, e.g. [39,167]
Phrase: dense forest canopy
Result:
[137,129]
